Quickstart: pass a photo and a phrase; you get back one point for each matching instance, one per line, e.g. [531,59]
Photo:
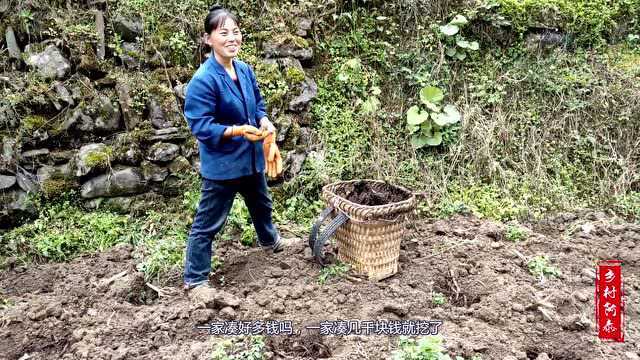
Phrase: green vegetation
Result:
[438,299]
[99,158]
[539,267]
[240,348]
[332,271]
[424,348]
[515,233]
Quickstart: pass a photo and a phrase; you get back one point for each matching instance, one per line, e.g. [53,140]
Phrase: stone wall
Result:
[108,124]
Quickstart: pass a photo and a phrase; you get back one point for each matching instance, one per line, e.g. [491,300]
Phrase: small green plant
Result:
[26,18]
[438,299]
[457,46]
[425,348]
[335,270]
[515,233]
[426,124]
[248,236]
[539,266]
[241,348]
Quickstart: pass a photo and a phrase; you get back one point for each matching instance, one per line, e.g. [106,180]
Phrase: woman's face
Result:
[226,39]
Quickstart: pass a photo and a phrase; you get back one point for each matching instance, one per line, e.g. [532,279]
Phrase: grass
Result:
[515,233]
[240,348]
[332,271]
[539,266]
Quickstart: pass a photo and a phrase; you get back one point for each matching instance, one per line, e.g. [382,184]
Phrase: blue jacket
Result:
[212,103]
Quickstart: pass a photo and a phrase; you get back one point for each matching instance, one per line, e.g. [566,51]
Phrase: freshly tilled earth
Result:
[99,307]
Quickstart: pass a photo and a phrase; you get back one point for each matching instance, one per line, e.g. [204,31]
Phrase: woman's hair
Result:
[216,17]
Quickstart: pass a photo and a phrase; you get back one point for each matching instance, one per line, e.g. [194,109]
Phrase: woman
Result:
[223,107]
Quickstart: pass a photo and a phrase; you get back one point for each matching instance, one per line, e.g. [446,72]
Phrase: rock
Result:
[153,172]
[128,29]
[262,301]
[293,163]
[131,118]
[7,181]
[50,63]
[90,157]
[440,227]
[395,308]
[543,356]
[27,181]
[77,118]
[340,299]
[581,296]
[127,181]
[132,157]
[228,313]
[276,273]
[63,93]
[545,39]
[304,137]
[12,44]
[309,92]
[288,49]
[282,124]
[48,172]
[282,293]
[162,152]
[131,55]
[36,155]
[108,115]
[588,274]
[171,133]
[304,25]
[180,165]
[16,201]
[156,114]
[517,307]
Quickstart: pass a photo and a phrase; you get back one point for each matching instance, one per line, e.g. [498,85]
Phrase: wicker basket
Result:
[369,236]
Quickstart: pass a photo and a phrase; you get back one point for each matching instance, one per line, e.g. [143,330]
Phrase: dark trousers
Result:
[215,203]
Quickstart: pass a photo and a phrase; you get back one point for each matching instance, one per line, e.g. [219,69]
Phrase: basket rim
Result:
[407,202]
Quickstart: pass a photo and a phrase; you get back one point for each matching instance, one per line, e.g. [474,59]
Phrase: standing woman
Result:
[224,109]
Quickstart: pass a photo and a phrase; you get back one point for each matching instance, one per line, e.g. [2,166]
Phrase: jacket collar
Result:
[217,67]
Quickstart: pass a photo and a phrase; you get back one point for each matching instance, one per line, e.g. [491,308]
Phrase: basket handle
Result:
[317,243]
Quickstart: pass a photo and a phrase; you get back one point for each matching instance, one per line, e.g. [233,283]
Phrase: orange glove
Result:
[249,132]
[272,157]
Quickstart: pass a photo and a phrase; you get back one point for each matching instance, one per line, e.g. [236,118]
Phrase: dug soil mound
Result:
[99,307]
[372,194]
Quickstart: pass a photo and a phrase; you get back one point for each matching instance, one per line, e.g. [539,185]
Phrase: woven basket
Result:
[369,239]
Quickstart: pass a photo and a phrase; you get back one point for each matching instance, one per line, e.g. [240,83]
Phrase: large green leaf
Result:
[459,20]
[418,141]
[474,46]
[449,29]
[461,56]
[450,115]
[463,43]
[415,116]
[435,140]
[451,51]
[431,94]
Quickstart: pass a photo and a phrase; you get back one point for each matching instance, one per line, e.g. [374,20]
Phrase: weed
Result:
[438,299]
[425,348]
[332,271]
[515,233]
[539,266]
[241,348]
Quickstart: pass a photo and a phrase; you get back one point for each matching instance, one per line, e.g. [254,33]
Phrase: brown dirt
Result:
[98,307]
[363,193]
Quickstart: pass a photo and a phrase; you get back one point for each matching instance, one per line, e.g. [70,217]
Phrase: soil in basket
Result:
[364,193]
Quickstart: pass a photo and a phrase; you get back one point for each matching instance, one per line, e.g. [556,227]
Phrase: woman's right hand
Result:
[249,132]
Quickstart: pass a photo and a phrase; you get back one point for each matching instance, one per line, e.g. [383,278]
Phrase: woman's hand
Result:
[272,158]
[249,132]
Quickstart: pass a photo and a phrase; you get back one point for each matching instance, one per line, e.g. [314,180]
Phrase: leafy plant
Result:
[515,233]
[427,122]
[241,348]
[539,266]
[438,298]
[457,46]
[335,270]
[425,348]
